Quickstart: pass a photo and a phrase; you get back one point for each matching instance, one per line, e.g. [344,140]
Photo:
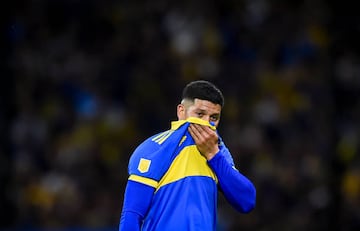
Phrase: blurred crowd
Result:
[89,80]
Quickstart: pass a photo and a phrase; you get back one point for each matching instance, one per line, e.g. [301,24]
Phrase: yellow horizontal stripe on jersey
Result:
[189,162]
[144,180]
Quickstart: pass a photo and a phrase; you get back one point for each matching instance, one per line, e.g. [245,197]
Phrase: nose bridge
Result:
[206,117]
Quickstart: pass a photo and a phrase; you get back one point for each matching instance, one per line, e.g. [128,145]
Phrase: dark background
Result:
[84,82]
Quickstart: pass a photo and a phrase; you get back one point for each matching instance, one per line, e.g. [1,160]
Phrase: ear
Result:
[181,114]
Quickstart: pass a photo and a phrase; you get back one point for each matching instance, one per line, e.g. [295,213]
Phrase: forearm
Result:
[130,221]
[237,189]
[137,199]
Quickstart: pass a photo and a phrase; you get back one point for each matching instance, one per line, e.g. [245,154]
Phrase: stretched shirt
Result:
[173,187]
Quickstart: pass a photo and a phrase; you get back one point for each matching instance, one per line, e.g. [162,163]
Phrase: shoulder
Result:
[147,147]
[151,156]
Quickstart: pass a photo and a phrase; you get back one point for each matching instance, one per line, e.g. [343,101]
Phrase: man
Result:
[175,175]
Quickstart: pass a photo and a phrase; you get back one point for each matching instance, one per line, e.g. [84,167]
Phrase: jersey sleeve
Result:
[237,189]
[137,200]
[146,167]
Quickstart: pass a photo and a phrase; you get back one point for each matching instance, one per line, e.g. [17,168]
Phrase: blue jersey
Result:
[185,196]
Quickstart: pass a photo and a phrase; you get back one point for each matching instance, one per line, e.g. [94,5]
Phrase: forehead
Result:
[206,105]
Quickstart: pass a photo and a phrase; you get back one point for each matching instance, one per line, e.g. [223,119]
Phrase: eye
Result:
[214,118]
[200,114]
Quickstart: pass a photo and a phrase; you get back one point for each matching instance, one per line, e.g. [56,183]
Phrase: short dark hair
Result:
[204,90]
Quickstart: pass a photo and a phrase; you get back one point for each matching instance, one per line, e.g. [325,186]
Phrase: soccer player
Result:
[174,176]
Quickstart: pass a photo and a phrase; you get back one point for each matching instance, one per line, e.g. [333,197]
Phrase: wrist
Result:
[211,155]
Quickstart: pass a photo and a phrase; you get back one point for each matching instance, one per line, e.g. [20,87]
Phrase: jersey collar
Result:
[176,124]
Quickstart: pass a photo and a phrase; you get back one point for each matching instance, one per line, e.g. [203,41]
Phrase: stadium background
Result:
[83,82]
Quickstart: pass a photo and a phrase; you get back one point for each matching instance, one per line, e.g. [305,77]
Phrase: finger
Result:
[203,128]
[200,130]
[198,135]
[194,132]
[205,131]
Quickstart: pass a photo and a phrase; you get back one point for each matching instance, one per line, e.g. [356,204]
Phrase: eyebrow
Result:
[203,111]
[216,114]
